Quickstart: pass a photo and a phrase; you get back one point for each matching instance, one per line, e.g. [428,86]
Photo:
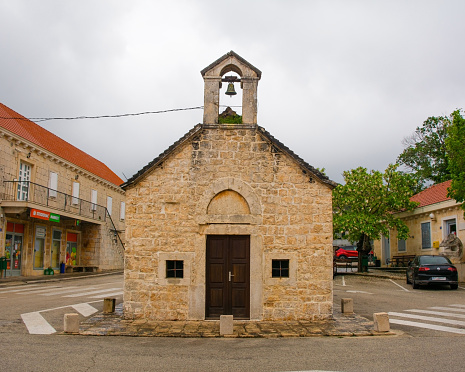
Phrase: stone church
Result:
[228,220]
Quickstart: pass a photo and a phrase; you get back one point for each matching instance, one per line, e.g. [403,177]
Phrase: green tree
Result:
[363,207]
[455,143]
[425,153]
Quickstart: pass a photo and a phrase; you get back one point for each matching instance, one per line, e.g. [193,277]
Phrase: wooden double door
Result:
[228,276]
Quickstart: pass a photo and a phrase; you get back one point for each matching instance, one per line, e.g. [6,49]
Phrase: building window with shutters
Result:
[109,204]
[75,198]
[122,211]
[93,199]
[426,235]
[401,245]
[53,185]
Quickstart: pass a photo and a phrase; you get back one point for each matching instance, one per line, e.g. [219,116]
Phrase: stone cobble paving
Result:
[339,326]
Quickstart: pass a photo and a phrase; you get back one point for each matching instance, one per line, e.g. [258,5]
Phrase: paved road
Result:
[39,308]
[428,350]
[429,311]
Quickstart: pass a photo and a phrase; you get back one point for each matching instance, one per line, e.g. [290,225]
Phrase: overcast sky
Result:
[343,82]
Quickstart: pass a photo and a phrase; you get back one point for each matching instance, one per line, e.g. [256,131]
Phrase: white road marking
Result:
[359,292]
[427,326]
[23,289]
[63,290]
[93,292]
[405,289]
[108,294]
[343,282]
[427,318]
[41,291]
[457,305]
[36,324]
[85,309]
[447,308]
[441,313]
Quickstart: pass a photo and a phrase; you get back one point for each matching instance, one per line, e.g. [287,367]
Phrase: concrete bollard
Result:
[347,306]
[381,321]
[71,323]
[226,325]
[109,305]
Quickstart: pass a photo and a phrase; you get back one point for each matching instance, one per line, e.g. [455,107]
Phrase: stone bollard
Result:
[71,323]
[109,305]
[347,306]
[381,321]
[226,325]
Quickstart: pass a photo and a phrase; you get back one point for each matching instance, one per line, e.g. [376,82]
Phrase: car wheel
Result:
[343,257]
[415,284]
[454,286]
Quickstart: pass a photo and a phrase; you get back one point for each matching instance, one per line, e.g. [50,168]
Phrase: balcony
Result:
[29,194]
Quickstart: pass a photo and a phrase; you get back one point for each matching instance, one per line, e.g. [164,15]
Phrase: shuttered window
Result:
[93,199]
[53,184]
[109,204]
[401,245]
[122,211]
[426,235]
[75,199]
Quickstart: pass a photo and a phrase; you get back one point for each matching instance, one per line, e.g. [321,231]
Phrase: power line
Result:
[104,116]
[110,116]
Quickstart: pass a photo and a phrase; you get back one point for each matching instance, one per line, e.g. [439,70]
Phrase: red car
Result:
[349,251]
[346,252]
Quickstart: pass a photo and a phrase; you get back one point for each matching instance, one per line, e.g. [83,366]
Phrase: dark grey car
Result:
[432,270]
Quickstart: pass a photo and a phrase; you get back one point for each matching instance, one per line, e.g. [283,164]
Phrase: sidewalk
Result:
[340,326]
[19,280]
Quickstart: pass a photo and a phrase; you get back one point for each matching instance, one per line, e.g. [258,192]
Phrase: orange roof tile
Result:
[434,194]
[25,128]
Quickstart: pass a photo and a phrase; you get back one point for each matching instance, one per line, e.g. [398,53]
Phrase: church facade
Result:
[228,220]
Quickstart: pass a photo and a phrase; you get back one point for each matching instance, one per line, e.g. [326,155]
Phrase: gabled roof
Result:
[432,195]
[30,131]
[198,128]
[231,54]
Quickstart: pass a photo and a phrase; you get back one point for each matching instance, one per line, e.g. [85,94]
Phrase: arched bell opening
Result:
[230,96]
[234,72]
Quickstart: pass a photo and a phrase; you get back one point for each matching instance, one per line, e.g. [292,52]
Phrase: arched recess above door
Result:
[229,200]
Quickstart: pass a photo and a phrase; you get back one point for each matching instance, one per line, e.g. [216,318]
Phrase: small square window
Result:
[174,269]
[280,268]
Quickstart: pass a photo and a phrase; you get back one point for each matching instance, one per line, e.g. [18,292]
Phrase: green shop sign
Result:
[54,217]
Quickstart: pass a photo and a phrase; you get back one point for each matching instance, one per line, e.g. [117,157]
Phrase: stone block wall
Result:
[168,217]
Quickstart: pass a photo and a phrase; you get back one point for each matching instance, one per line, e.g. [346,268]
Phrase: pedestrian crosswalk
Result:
[449,318]
[91,291]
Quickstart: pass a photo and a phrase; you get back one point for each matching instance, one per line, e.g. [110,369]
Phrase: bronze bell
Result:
[230,91]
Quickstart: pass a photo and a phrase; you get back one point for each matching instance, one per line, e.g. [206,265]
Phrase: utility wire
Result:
[105,116]
[110,116]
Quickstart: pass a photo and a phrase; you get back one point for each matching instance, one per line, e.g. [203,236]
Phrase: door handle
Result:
[230,276]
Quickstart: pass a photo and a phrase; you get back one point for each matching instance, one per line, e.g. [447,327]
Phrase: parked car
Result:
[426,269]
[348,251]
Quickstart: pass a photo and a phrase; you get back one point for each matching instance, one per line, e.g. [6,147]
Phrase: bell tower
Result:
[213,78]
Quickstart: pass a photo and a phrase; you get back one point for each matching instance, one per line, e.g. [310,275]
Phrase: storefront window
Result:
[55,251]
[72,254]
[13,245]
[39,247]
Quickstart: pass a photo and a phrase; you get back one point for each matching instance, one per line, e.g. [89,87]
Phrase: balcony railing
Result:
[27,191]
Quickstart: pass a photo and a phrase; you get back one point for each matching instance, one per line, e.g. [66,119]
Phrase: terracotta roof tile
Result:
[23,127]
[432,195]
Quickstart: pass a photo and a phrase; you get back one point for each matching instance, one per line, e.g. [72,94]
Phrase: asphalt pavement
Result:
[340,325]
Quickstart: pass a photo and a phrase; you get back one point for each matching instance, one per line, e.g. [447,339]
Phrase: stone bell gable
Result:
[228,220]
